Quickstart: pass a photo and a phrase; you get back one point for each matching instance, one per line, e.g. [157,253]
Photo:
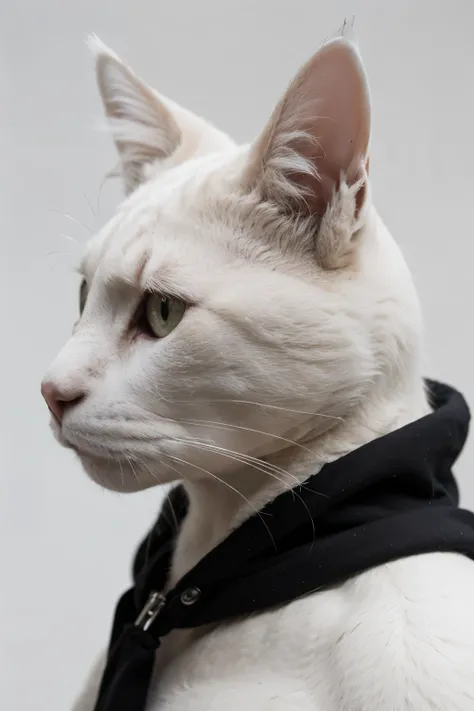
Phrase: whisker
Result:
[229,486]
[144,464]
[240,457]
[173,512]
[69,238]
[91,209]
[99,194]
[256,404]
[129,460]
[230,426]
[121,473]
[168,495]
[248,459]
[174,469]
[55,253]
[70,217]
[231,455]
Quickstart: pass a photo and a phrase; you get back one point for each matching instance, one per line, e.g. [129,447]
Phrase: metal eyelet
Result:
[190,596]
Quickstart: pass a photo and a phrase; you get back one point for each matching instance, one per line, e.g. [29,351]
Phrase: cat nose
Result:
[60,399]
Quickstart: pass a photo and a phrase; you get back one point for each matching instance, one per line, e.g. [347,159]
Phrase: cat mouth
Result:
[113,470]
[97,455]
[58,434]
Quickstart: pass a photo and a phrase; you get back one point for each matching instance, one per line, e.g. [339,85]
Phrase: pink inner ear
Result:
[334,85]
[325,117]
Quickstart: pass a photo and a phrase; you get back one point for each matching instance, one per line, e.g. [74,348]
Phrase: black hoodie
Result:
[392,498]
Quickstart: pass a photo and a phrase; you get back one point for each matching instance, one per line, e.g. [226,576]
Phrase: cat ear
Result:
[147,128]
[314,150]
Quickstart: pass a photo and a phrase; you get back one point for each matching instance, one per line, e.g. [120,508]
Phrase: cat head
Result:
[242,296]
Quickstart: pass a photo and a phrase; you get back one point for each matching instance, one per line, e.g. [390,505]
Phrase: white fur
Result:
[302,343]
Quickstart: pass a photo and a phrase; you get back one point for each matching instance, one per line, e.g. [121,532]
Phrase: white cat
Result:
[247,304]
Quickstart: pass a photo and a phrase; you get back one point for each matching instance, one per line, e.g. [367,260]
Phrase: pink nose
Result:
[58,400]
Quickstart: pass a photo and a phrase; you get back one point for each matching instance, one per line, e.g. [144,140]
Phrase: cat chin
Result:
[118,475]
[112,475]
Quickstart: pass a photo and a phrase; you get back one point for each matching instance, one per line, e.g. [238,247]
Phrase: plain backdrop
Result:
[65,544]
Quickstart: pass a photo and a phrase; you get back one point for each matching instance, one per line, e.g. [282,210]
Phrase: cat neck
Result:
[217,507]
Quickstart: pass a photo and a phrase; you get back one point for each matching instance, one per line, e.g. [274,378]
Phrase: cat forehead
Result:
[168,220]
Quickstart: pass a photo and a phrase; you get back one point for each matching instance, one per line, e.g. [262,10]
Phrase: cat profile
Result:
[247,318]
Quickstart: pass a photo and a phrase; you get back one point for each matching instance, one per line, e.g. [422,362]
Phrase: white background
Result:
[65,545]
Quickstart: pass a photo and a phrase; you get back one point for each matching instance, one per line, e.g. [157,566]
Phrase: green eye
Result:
[163,314]
[82,295]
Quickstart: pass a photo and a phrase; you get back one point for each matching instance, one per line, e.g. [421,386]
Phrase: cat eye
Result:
[163,313]
[82,295]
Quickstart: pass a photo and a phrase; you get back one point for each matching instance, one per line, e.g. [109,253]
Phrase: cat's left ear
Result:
[149,130]
[312,157]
